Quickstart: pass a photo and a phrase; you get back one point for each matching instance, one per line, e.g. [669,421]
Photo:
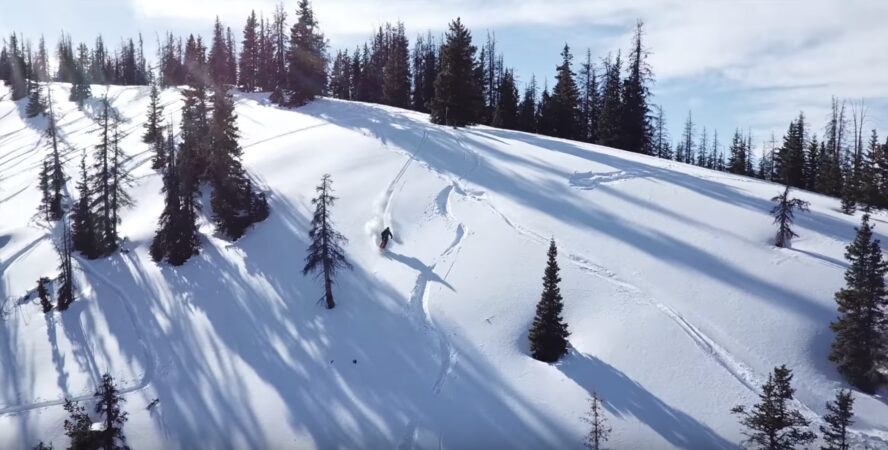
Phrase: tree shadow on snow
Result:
[358,376]
[627,398]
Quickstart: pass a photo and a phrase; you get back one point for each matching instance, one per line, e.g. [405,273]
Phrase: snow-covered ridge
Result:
[677,303]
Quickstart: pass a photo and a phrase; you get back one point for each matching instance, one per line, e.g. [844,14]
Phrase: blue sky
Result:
[752,64]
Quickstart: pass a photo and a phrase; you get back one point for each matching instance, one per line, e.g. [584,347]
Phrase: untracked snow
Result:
[677,302]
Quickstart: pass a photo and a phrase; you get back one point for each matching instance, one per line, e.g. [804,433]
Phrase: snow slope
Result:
[677,303]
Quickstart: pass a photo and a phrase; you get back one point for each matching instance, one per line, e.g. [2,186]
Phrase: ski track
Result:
[150,357]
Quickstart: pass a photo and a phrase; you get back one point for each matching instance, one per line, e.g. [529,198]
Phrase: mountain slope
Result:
[677,303]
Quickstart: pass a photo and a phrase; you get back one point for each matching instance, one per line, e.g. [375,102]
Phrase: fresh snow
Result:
[677,302]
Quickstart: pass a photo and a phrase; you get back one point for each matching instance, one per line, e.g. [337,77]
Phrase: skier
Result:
[386,235]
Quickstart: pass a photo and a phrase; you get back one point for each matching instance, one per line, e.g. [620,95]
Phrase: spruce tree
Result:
[598,430]
[154,118]
[176,239]
[565,99]
[548,334]
[527,110]
[396,81]
[660,138]
[43,294]
[78,427]
[121,180]
[684,149]
[53,174]
[590,102]
[232,198]
[610,120]
[635,126]
[65,293]
[545,119]
[840,417]
[458,96]
[45,195]
[325,253]
[772,424]
[35,106]
[84,234]
[783,213]
[43,446]
[738,157]
[859,348]
[505,115]
[217,60]
[108,400]
[159,159]
[790,161]
[307,58]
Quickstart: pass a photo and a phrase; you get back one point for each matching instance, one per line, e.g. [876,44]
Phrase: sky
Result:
[749,64]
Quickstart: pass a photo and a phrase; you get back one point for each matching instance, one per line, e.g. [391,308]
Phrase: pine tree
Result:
[790,161]
[635,129]
[65,293]
[45,195]
[325,254]
[684,150]
[527,111]
[35,106]
[545,120]
[599,431]
[396,80]
[307,59]
[840,417]
[78,427]
[55,174]
[101,181]
[217,60]
[548,334]
[84,234]
[232,198]
[565,99]
[590,102]
[280,50]
[154,119]
[610,120]
[505,115]
[17,69]
[772,424]
[43,446]
[660,139]
[458,96]
[43,294]
[859,348]
[80,82]
[739,154]
[703,150]
[120,182]
[108,405]
[230,58]
[783,213]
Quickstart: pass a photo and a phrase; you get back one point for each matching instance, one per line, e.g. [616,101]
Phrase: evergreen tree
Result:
[232,198]
[684,150]
[598,431]
[545,120]
[45,195]
[635,127]
[101,181]
[739,154]
[176,239]
[505,114]
[772,424]
[84,233]
[783,213]
[36,105]
[108,400]
[425,70]
[43,446]
[41,62]
[307,70]
[17,76]
[840,417]
[154,119]
[279,40]
[859,348]
[340,76]
[870,190]
[120,182]
[590,103]
[527,111]
[610,120]
[325,254]
[230,58]
[55,174]
[396,82]
[43,294]
[217,60]
[458,96]
[703,152]
[790,161]
[78,427]
[565,99]
[80,82]
[65,293]
[548,334]
[660,139]
[830,175]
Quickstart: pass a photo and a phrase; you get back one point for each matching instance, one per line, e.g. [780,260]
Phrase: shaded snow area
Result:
[678,304]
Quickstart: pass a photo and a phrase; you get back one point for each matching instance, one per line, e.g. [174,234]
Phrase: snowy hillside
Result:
[677,303]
